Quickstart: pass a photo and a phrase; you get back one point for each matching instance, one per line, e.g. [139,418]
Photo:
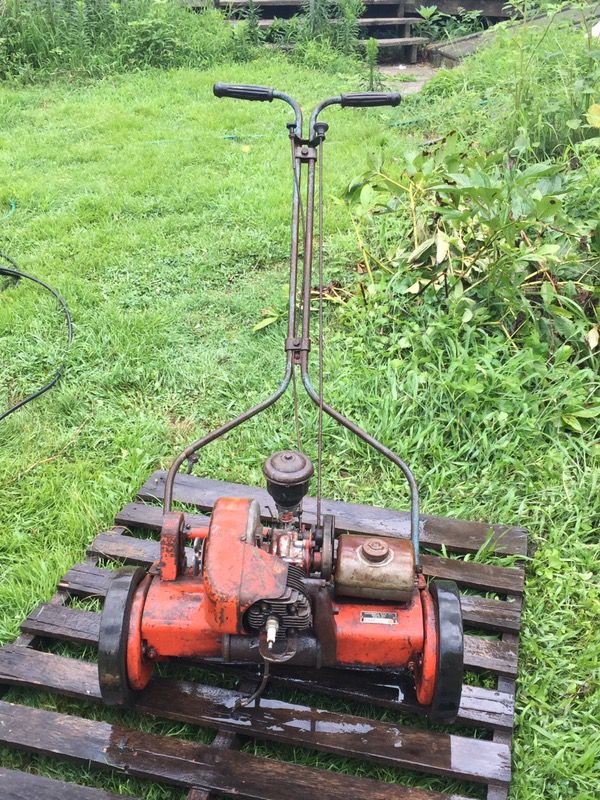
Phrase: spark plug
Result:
[271,627]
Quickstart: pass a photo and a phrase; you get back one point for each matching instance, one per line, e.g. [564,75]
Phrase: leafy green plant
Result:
[345,31]
[251,16]
[374,81]
[491,240]
[99,36]
[438,25]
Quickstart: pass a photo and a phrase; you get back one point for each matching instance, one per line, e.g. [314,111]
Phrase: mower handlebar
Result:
[369,99]
[241,91]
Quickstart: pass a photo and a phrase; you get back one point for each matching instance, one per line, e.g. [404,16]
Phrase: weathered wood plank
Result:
[487,708]
[82,627]
[437,753]
[180,762]
[63,623]
[85,580]
[16,785]
[467,574]
[471,575]
[479,707]
[458,536]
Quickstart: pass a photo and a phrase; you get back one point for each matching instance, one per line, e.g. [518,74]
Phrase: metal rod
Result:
[330,101]
[308,251]
[210,437]
[293,288]
[297,110]
[381,448]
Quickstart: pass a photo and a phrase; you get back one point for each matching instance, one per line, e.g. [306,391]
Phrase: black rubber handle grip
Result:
[240,91]
[367,99]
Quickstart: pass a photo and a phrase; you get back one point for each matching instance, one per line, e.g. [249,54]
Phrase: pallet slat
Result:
[431,752]
[481,707]
[184,763]
[467,574]
[85,580]
[82,627]
[457,535]
[15,785]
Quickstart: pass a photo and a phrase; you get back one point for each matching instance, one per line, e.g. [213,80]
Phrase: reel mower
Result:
[279,590]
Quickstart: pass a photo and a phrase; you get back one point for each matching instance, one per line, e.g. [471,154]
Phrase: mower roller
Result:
[281,591]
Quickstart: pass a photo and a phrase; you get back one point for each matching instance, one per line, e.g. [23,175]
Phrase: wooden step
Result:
[409,41]
[366,21]
[363,22]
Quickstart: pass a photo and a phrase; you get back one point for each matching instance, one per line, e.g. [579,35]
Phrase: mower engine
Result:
[286,592]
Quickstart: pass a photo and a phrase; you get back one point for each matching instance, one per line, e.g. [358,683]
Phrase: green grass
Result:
[161,213]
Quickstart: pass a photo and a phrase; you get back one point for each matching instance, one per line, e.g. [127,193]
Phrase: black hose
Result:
[15,272]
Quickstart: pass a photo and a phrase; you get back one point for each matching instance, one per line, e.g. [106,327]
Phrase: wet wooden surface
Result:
[211,771]
[180,762]
[15,785]
[76,625]
[458,536]
[437,753]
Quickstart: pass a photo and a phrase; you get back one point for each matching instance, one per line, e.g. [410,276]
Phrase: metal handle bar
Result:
[242,91]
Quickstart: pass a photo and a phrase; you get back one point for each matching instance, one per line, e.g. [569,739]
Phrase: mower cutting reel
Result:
[279,589]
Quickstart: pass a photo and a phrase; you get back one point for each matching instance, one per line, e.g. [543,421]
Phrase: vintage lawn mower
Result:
[280,591]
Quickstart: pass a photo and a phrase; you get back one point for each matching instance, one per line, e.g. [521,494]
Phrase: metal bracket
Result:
[297,345]
[305,152]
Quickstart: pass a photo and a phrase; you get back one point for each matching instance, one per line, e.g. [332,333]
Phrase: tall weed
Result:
[99,36]
[489,223]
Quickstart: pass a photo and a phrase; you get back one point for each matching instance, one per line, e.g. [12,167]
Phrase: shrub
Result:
[98,36]
[492,222]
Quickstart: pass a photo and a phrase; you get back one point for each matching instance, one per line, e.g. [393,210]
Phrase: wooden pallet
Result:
[478,756]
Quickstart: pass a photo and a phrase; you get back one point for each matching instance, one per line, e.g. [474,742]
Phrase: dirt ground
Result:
[397,75]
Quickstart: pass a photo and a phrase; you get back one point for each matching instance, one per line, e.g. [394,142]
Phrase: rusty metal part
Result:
[172,546]
[376,568]
[139,666]
[248,649]
[236,572]
[375,550]
[368,633]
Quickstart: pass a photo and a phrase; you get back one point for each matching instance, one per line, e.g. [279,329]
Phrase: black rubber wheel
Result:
[112,640]
[448,686]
